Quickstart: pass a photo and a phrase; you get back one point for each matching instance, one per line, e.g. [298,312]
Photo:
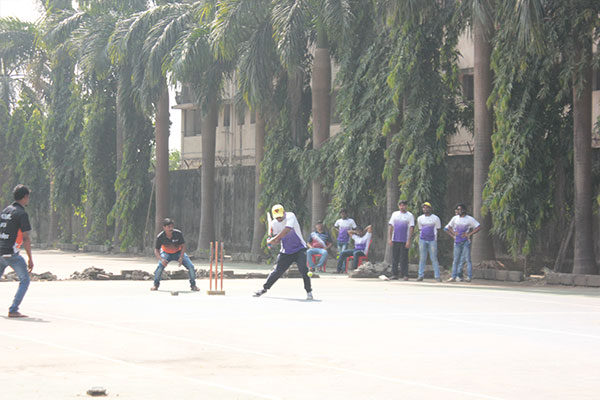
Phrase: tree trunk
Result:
[584,261]
[259,144]
[321,113]
[120,111]
[207,206]
[483,248]
[53,223]
[161,132]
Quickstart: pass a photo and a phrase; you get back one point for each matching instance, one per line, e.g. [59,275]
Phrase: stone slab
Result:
[515,276]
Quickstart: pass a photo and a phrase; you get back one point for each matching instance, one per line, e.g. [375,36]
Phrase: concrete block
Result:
[501,275]
[515,276]
[553,278]
[478,274]
[566,279]
[593,280]
[580,279]
[489,274]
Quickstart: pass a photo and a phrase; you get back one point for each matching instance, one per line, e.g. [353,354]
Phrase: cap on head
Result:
[428,204]
[277,211]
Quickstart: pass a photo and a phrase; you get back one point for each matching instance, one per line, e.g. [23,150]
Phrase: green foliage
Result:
[174,160]
[99,162]
[425,87]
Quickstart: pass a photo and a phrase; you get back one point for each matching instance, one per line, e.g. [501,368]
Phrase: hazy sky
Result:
[28,10]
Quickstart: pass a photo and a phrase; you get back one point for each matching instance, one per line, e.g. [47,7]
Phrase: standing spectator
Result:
[428,224]
[318,243]
[293,249]
[461,228]
[361,239]
[343,225]
[401,226]
[14,233]
[170,246]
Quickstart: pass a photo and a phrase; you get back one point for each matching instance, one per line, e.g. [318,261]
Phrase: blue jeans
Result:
[430,247]
[462,254]
[317,252]
[341,246]
[174,257]
[349,253]
[18,264]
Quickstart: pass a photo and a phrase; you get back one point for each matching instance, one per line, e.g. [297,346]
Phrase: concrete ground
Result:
[360,339]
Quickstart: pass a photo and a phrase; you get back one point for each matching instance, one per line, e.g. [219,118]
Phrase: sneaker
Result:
[195,288]
[467,279]
[154,288]
[420,279]
[309,296]
[393,278]
[260,293]
[451,280]
[438,279]
[16,314]
[459,279]
[406,278]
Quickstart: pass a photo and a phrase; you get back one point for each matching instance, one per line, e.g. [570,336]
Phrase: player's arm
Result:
[27,246]
[279,236]
[181,253]
[410,233]
[474,231]
[158,256]
[369,229]
[448,229]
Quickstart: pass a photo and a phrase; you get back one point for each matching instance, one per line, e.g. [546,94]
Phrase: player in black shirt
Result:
[14,233]
[170,246]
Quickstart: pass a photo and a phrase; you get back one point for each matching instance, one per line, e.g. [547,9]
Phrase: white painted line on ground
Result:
[156,371]
[262,354]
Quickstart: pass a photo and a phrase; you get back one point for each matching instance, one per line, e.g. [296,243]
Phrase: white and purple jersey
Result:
[428,226]
[401,222]
[362,242]
[461,225]
[292,242]
[343,226]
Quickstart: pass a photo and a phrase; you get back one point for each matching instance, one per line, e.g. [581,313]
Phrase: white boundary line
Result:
[247,351]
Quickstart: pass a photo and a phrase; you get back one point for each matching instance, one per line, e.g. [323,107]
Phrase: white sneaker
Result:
[451,280]
[309,296]
[259,293]
[459,279]
[467,279]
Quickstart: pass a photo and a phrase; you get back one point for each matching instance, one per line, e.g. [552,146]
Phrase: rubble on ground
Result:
[45,276]
[371,270]
[490,264]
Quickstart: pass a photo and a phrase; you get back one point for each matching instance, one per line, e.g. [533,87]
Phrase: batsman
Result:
[287,231]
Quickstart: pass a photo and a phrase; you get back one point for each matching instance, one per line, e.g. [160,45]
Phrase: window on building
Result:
[226,115]
[468,86]
[241,115]
[596,80]
[334,114]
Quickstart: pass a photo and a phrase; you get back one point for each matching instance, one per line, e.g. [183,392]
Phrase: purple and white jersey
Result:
[401,223]
[428,226]
[462,225]
[343,226]
[362,242]
[292,242]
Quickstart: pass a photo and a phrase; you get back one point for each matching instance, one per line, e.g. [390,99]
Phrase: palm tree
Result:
[295,22]
[552,27]
[243,31]
[482,20]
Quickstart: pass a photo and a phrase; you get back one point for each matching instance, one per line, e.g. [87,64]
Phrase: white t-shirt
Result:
[428,227]
[462,225]
[292,242]
[343,226]
[362,242]
[401,221]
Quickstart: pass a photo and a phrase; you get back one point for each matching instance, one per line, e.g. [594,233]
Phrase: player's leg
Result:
[461,260]
[342,260]
[323,259]
[19,265]
[403,261]
[455,261]
[422,258]
[300,258]
[355,255]
[187,263]
[467,259]
[159,270]
[395,259]
[283,263]
[309,254]
[434,259]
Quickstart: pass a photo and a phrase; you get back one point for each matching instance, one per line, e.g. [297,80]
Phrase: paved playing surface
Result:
[361,339]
